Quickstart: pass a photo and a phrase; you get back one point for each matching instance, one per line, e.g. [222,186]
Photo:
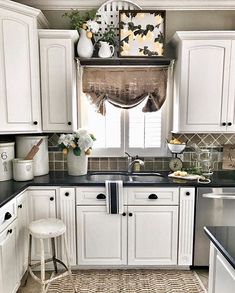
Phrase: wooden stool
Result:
[48,229]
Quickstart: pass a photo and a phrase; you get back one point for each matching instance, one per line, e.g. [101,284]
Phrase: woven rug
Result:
[130,281]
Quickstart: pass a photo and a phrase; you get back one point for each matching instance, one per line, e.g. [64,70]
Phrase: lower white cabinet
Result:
[152,235]
[42,205]
[22,235]
[101,237]
[9,276]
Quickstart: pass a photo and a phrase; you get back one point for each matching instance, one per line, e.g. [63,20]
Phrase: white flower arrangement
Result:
[79,141]
[92,26]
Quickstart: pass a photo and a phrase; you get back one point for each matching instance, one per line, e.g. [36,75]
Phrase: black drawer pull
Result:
[153,196]
[7,216]
[51,198]
[130,214]
[124,214]
[230,124]
[35,122]
[66,194]
[224,124]
[9,231]
[101,196]
[20,206]
[69,123]
[187,193]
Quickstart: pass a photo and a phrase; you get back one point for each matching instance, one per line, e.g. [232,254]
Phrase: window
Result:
[129,131]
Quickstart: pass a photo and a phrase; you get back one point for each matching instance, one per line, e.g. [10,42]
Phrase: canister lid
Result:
[31,137]
[6,144]
[21,161]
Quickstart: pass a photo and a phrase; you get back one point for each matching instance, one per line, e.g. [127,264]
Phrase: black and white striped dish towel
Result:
[114,194]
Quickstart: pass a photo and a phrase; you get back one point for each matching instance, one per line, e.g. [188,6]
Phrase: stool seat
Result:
[47,228]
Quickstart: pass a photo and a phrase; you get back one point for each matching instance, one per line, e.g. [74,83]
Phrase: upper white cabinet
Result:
[204,85]
[19,68]
[58,79]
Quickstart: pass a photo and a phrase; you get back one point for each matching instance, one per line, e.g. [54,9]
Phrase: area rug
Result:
[130,281]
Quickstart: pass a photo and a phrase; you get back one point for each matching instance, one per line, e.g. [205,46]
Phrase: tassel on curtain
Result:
[126,87]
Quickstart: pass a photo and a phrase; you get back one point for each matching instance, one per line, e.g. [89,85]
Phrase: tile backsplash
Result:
[215,142]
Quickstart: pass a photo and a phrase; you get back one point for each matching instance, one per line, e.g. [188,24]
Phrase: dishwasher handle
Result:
[219,195]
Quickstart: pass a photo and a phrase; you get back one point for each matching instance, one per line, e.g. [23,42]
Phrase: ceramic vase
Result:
[77,165]
[85,47]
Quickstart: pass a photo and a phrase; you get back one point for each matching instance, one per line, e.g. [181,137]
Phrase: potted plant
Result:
[77,146]
[87,26]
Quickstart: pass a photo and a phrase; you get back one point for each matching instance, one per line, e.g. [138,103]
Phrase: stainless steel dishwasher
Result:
[214,207]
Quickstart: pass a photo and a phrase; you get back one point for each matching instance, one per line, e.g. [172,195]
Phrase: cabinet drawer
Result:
[7,214]
[94,196]
[153,196]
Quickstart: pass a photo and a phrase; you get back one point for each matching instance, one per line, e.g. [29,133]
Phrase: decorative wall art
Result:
[229,157]
[141,33]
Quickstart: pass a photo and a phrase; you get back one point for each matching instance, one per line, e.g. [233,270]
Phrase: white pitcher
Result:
[106,50]
[85,47]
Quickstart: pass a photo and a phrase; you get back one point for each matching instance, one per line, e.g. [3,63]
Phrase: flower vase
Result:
[85,47]
[77,165]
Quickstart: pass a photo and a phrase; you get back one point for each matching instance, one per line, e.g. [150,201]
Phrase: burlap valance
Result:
[126,87]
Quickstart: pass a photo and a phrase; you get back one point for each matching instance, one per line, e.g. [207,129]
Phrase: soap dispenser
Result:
[136,166]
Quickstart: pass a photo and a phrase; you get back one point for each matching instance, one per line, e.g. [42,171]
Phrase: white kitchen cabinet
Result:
[152,235]
[42,205]
[9,276]
[58,80]
[19,68]
[204,82]
[66,212]
[101,237]
[22,235]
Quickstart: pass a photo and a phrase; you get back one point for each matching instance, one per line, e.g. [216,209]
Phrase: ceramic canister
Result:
[41,160]
[7,153]
[22,169]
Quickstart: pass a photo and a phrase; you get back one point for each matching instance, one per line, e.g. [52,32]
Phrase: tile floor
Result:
[33,287]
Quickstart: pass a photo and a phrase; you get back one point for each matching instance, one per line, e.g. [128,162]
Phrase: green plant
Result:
[109,36]
[77,19]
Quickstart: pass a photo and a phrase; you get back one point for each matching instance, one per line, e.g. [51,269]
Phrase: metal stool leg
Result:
[54,254]
[43,266]
[68,263]
[29,259]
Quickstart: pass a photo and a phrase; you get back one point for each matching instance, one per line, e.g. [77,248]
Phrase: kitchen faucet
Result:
[131,162]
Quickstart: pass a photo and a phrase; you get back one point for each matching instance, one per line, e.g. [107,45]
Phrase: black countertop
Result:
[223,238]
[9,189]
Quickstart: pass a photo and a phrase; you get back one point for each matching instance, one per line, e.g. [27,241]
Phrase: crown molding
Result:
[146,4]
[56,34]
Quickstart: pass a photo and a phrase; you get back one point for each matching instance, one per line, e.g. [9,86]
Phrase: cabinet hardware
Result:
[187,193]
[153,196]
[20,206]
[7,216]
[101,196]
[35,122]
[9,231]
[130,214]
[66,194]
[224,124]
[230,124]
[51,198]
[124,214]
[69,123]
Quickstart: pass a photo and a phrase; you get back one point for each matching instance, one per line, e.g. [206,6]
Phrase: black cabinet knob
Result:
[51,198]
[230,124]
[153,196]
[130,214]
[20,206]
[224,124]
[69,123]
[9,231]
[66,194]
[187,193]
[124,214]
[101,196]
[7,216]
[35,122]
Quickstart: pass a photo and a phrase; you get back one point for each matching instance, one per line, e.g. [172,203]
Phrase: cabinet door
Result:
[19,73]
[101,237]
[204,85]
[231,104]
[57,83]
[41,206]
[152,235]
[22,239]
[9,280]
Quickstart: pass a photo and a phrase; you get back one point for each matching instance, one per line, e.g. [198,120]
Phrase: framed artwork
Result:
[229,157]
[141,33]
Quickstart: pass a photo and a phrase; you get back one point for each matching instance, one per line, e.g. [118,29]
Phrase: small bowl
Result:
[176,148]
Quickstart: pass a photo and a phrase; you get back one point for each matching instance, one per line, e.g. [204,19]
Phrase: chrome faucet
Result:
[131,162]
